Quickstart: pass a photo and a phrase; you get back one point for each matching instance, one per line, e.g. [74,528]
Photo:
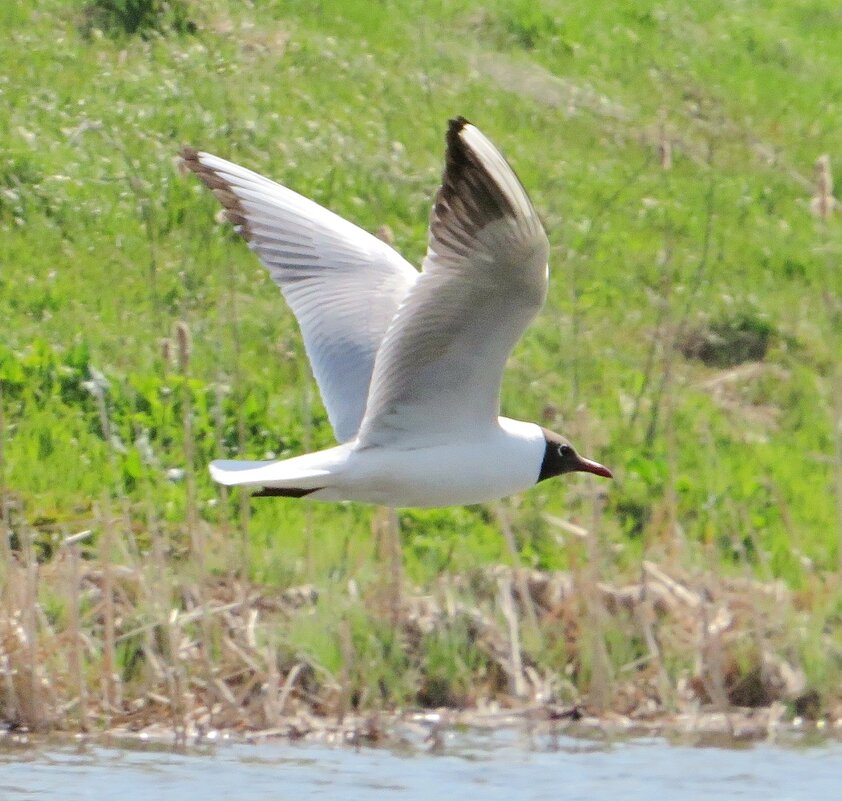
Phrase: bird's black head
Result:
[561,457]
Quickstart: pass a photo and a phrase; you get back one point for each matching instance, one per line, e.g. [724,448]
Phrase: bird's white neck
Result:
[529,432]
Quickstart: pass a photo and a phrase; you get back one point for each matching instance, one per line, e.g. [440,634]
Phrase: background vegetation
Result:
[691,339]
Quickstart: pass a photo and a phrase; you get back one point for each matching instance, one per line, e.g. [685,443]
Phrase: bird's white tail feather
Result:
[267,474]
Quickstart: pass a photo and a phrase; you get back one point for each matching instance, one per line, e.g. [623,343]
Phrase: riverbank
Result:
[99,646]
[429,730]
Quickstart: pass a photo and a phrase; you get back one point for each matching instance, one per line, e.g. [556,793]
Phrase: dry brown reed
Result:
[32,697]
[836,433]
[386,533]
[229,318]
[10,631]
[504,521]
[6,590]
[346,648]
[307,444]
[146,210]
[183,352]
[195,530]
[664,143]
[601,681]
[4,525]
[518,687]
[73,587]
[701,621]
[110,678]
[823,203]
[676,320]
[224,527]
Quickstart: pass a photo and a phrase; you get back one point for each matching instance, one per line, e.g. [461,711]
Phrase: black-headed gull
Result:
[409,364]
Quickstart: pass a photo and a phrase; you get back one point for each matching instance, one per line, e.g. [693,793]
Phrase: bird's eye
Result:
[564,450]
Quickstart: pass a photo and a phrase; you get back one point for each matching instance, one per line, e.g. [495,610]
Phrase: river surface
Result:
[466,765]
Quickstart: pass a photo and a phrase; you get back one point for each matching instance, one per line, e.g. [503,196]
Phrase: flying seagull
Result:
[409,364]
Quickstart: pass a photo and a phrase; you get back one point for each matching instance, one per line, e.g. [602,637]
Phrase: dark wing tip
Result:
[457,150]
[283,492]
[189,154]
[468,190]
[220,187]
[454,126]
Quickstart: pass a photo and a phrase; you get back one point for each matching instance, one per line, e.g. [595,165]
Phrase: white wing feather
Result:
[343,284]
[439,370]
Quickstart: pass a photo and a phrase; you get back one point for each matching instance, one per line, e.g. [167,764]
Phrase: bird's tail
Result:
[273,478]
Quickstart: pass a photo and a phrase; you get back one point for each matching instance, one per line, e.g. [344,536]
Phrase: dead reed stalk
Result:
[664,143]
[346,649]
[386,531]
[5,528]
[110,688]
[77,665]
[26,640]
[518,686]
[33,698]
[519,574]
[823,205]
[272,704]
[307,442]
[9,606]
[647,619]
[110,679]
[146,210]
[600,690]
[183,351]
[393,540]
[836,434]
[579,253]
[223,521]
[681,321]
[174,673]
[231,317]
[589,579]
[195,531]
[711,668]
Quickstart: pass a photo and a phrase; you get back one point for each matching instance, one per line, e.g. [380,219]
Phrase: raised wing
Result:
[343,284]
[439,369]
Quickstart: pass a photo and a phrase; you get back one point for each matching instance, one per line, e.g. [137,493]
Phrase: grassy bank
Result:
[691,341]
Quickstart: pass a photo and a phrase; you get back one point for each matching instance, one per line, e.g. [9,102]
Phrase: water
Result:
[488,766]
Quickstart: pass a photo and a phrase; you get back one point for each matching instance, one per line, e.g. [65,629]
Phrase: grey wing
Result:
[439,370]
[343,284]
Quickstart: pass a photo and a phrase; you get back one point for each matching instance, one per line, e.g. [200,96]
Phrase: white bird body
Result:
[464,472]
[409,364]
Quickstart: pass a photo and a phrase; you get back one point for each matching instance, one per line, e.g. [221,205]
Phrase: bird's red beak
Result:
[588,466]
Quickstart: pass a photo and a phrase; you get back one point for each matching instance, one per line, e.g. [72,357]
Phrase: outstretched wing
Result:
[343,284]
[439,369]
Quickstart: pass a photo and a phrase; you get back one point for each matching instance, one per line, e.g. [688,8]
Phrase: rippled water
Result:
[496,765]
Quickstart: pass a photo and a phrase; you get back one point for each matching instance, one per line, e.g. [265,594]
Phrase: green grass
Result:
[105,246]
